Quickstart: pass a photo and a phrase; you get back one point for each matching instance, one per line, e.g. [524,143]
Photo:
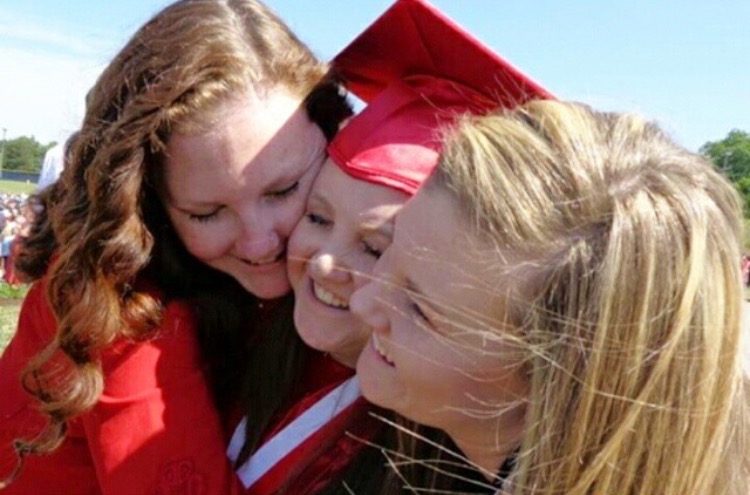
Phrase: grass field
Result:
[9,312]
[8,320]
[10,298]
[15,187]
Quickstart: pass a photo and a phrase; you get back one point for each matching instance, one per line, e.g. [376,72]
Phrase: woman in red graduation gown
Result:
[316,440]
[102,388]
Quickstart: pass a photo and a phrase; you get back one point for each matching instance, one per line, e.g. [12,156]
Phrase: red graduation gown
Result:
[312,443]
[153,431]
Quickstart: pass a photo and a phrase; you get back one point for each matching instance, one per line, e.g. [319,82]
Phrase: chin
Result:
[313,338]
[373,387]
[300,324]
[374,392]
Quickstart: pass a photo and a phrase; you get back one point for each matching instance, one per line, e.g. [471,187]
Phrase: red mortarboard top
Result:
[418,71]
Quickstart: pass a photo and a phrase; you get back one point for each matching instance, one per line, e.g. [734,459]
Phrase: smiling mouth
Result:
[380,350]
[265,261]
[329,298]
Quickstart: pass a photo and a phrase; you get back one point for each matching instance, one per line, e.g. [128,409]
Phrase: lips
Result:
[266,261]
[329,298]
[380,350]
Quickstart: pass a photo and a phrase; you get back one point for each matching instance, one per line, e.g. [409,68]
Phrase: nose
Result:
[324,266]
[257,239]
[366,304]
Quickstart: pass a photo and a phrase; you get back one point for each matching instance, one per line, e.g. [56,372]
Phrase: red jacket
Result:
[153,431]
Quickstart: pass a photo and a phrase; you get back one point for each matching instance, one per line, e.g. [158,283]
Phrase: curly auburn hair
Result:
[102,224]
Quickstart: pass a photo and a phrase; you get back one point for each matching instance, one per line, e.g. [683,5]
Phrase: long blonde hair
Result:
[633,326]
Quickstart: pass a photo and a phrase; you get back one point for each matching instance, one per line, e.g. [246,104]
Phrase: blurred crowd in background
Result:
[15,219]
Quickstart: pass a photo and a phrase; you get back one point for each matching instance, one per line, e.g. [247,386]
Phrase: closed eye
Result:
[419,313]
[371,250]
[206,217]
[283,193]
[316,219]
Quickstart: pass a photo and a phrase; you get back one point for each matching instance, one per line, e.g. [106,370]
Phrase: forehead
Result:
[250,140]
[359,200]
[431,224]
[436,250]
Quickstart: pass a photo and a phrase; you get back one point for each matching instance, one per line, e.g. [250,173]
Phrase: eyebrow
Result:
[187,205]
[316,197]
[286,176]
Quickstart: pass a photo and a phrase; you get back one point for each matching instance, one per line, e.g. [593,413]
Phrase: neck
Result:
[487,444]
[345,359]
[266,308]
[267,305]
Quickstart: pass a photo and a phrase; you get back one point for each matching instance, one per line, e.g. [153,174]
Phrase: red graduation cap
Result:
[417,71]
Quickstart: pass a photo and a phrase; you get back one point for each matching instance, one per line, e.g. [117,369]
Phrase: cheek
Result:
[205,241]
[300,241]
[299,250]
[435,393]
[360,335]
[363,268]
[435,372]
[464,378]
[288,214]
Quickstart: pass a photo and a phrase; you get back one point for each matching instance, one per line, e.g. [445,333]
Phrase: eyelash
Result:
[316,219]
[205,218]
[418,311]
[285,192]
[372,251]
[321,221]
[275,195]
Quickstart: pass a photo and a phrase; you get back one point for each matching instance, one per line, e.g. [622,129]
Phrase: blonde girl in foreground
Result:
[575,315]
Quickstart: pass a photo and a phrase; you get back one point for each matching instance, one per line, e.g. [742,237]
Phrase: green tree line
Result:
[731,155]
[23,153]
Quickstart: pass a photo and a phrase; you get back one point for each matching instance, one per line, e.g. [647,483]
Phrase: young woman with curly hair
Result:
[573,321]
[198,146]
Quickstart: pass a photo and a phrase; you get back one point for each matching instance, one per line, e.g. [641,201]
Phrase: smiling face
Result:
[347,224]
[235,193]
[437,354]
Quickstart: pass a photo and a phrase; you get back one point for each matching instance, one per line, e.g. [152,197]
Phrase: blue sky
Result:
[683,63]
